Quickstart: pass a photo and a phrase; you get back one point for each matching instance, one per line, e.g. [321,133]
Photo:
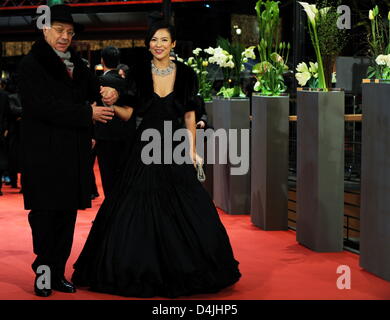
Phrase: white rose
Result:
[381,60]
[387,59]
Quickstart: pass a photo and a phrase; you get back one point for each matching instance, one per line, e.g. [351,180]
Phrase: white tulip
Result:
[302,67]
[313,67]
[334,78]
[210,50]
[371,15]
[196,51]
[257,86]
[249,53]
[303,77]
[230,64]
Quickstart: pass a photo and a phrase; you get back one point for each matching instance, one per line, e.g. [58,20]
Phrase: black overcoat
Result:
[56,130]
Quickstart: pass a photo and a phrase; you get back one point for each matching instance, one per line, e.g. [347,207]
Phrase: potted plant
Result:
[230,57]
[320,147]
[375,176]
[231,110]
[199,63]
[270,124]
[332,39]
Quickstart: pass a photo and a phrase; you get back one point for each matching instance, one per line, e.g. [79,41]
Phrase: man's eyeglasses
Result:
[61,31]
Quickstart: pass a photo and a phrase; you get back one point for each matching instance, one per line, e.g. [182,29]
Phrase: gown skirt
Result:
[158,233]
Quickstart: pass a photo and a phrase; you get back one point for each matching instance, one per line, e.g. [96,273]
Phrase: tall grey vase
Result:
[269,162]
[375,181]
[231,192]
[320,170]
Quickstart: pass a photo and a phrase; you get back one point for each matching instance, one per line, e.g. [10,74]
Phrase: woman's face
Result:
[161,44]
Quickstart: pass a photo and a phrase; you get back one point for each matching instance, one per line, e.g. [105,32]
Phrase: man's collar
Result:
[107,71]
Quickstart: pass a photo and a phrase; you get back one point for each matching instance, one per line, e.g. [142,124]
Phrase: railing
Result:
[352,178]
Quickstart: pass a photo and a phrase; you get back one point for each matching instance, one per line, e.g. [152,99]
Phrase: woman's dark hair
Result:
[157,25]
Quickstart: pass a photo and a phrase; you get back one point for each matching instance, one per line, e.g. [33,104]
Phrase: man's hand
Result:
[93,144]
[101,114]
[109,95]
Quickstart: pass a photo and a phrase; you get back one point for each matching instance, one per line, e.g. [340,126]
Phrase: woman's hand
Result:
[197,159]
[101,114]
[109,95]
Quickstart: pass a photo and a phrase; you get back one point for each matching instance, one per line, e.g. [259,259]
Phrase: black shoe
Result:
[63,285]
[41,292]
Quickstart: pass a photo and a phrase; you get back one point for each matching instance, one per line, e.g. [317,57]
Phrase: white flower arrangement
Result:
[307,75]
[379,46]
[382,68]
[220,57]
[199,63]
[313,15]
[383,60]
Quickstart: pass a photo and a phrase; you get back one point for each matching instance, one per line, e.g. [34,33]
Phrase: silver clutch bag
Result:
[200,172]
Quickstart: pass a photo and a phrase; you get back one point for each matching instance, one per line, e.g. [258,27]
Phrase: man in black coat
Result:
[58,93]
[114,138]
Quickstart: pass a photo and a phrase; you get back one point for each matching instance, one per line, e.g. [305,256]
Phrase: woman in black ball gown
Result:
[158,233]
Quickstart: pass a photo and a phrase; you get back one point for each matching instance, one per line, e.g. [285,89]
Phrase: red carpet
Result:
[273,265]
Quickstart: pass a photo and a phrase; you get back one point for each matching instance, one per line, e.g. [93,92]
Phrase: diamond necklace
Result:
[163,72]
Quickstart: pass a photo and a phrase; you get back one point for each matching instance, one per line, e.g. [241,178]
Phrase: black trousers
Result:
[52,233]
[110,155]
